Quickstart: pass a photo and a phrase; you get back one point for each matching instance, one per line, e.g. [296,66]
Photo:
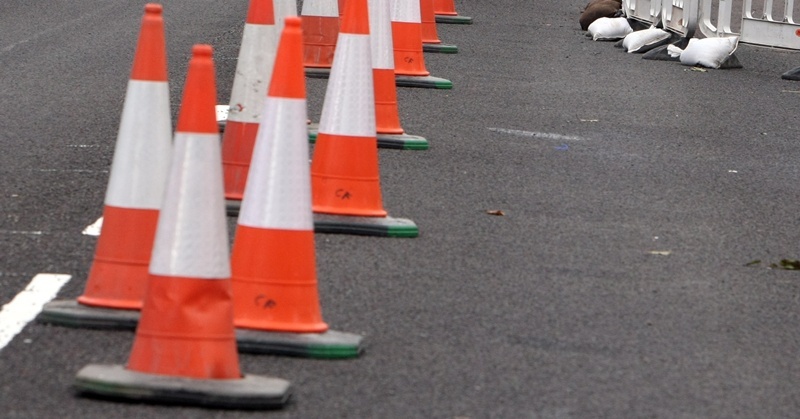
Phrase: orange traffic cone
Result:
[118,277]
[253,72]
[387,116]
[346,191]
[430,37]
[276,303]
[185,348]
[446,12]
[409,61]
[320,30]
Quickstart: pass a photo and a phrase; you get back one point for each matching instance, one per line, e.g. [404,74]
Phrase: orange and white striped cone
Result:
[253,73]
[345,178]
[387,116]
[276,302]
[185,346]
[445,11]
[320,31]
[409,61]
[118,277]
[430,36]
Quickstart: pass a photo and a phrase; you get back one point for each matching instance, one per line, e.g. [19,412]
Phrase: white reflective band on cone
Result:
[406,11]
[192,235]
[144,148]
[325,8]
[256,60]
[380,30]
[352,111]
[278,190]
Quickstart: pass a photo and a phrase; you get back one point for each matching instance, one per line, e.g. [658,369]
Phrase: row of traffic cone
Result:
[164,244]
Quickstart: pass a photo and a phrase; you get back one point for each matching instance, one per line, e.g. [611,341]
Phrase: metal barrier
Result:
[645,11]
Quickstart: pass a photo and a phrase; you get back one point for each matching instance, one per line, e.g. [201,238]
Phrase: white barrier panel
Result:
[723,22]
[768,31]
[680,16]
[647,11]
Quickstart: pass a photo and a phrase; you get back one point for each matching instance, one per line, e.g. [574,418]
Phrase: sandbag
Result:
[597,9]
[609,28]
[644,40]
[706,52]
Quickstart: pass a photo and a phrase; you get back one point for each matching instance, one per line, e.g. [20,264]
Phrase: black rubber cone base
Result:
[440,48]
[116,382]
[71,313]
[425,82]
[387,141]
[365,226]
[456,20]
[328,345]
[318,72]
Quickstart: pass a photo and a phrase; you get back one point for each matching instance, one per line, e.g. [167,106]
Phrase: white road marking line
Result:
[27,233]
[69,170]
[94,228]
[27,304]
[535,134]
[222,112]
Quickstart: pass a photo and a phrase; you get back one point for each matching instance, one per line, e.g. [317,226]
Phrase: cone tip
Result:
[202,51]
[153,9]
[292,22]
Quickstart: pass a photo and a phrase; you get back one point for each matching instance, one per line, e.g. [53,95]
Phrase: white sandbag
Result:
[609,28]
[643,41]
[707,52]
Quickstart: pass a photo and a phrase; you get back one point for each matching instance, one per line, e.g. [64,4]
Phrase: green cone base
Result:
[387,141]
[71,313]
[318,72]
[456,20]
[440,48]
[116,382]
[327,345]
[425,82]
[365,226]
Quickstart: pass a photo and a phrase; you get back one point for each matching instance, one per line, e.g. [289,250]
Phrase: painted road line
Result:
[28,303]
[94,228]
[24,233]
[535,134]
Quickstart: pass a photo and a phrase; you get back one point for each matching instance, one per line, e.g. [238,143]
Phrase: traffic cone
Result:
[118,276]
[185,347]
[387,114]
[409,61]
[387,117]
[345,179]
[320,30]
[253,73]
[430,37]
[445,11]
[276,304]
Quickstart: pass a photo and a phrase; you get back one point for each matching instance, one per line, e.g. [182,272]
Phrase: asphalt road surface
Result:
[614,285]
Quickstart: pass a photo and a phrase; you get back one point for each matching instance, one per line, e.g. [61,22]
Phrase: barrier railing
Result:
[724,15]
[645,11]
[768,31]
[680,16]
